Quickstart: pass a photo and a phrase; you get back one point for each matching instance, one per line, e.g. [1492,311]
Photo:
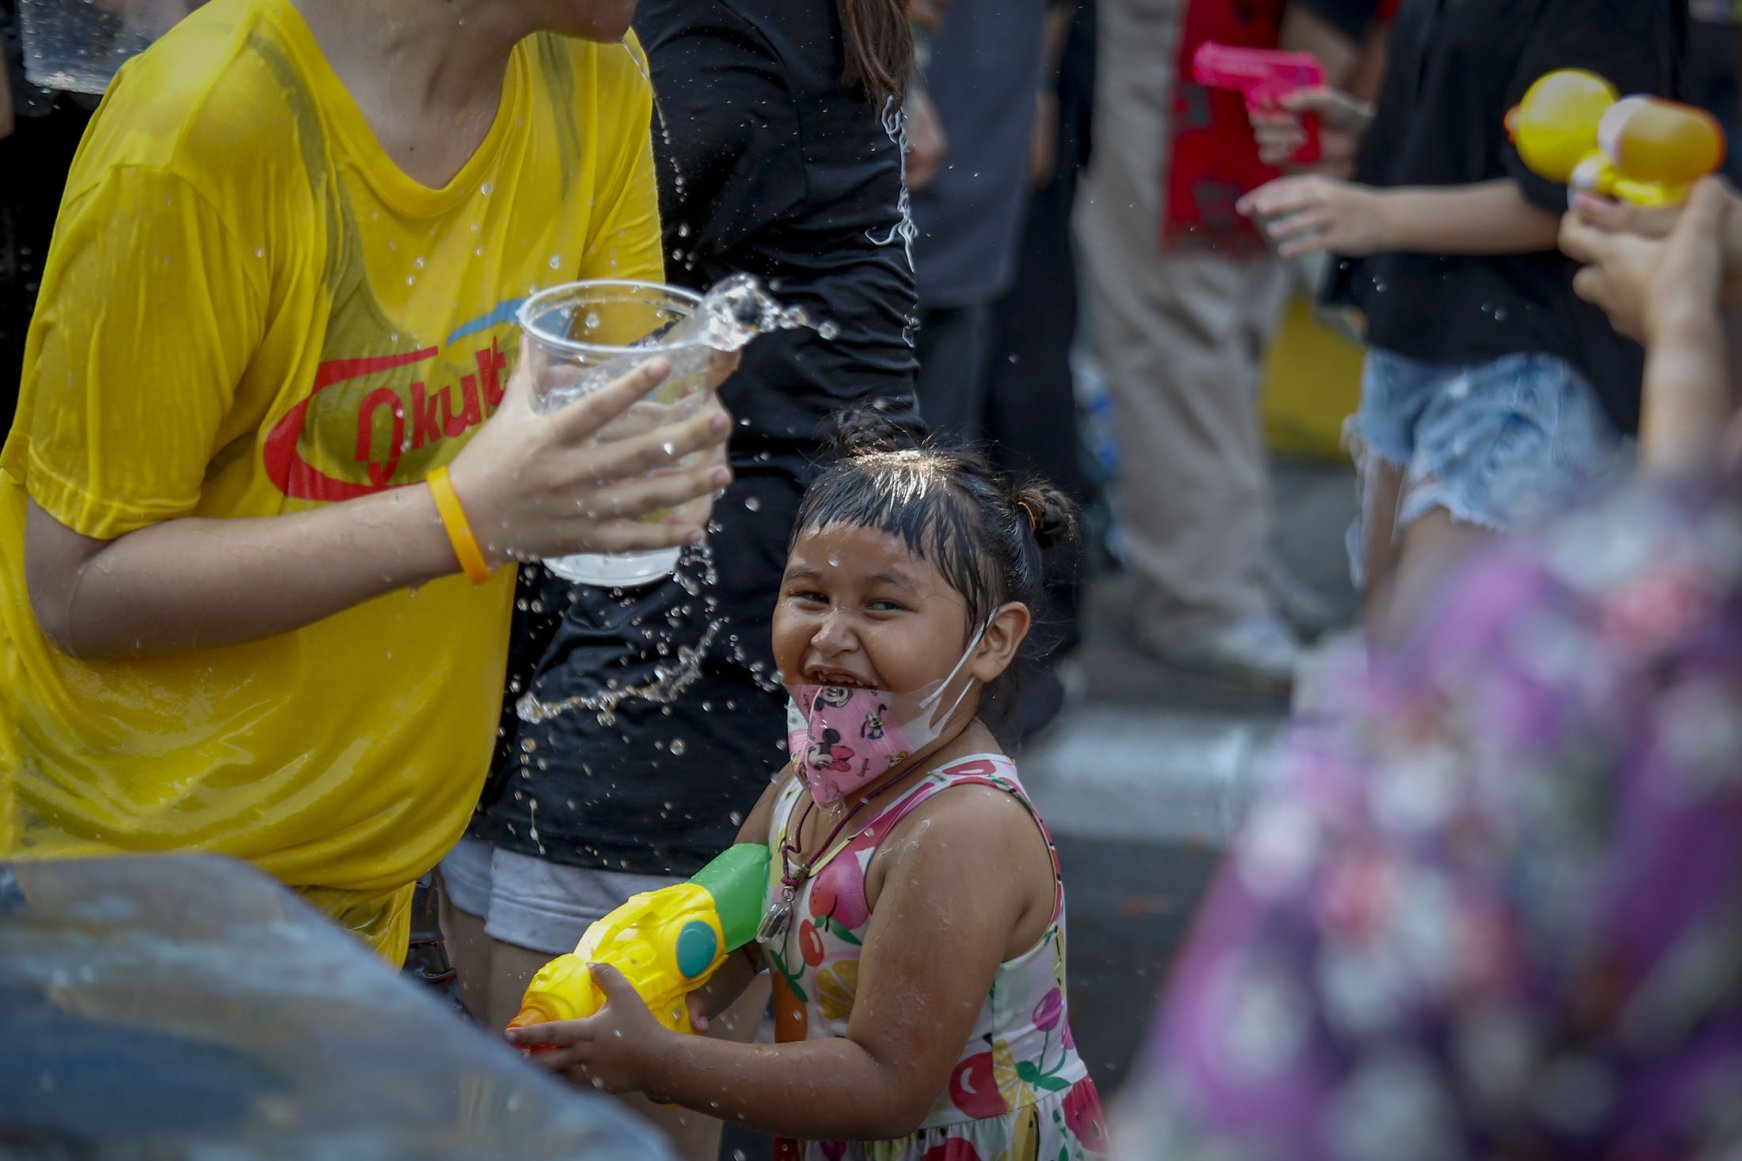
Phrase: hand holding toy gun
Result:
[1264,76]
[666,943]
[1573,127]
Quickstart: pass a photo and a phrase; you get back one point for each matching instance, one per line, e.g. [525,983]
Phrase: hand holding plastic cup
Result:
[586,334]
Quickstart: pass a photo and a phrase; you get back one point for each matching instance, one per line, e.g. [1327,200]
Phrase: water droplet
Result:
[592,321]
[556,262]
[417,262]
[752,504]
[259,251]
[487,188]
[677,746]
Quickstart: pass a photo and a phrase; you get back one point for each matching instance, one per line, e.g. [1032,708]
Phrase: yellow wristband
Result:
[459,529]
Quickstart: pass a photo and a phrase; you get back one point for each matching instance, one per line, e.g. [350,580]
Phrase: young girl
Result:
[1492,398]
[915,921]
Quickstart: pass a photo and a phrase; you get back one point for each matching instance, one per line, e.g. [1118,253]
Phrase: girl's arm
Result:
[941,925]
[1309,214]
[1492,217]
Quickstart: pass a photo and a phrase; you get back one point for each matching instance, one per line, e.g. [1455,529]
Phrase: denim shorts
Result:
[1499,444]
[532,903]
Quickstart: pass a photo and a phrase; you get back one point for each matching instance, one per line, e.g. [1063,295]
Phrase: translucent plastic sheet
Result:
[189,1007]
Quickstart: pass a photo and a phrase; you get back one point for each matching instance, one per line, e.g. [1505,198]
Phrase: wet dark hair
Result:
[985,533]
[879,46]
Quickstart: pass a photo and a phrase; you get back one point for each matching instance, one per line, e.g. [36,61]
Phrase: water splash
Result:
[737,309]
[668,684]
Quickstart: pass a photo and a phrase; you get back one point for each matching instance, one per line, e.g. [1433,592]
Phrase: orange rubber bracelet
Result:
[459,529]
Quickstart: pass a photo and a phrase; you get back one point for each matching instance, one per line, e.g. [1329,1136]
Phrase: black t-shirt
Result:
[663,717]
[769,166]
[1453,70]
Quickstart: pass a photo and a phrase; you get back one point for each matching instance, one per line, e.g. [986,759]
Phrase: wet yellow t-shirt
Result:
[249,310]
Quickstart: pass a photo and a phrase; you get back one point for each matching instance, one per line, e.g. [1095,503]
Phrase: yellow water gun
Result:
[1574,128]
[666,943]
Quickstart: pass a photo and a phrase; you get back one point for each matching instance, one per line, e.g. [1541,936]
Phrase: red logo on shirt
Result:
[392,419]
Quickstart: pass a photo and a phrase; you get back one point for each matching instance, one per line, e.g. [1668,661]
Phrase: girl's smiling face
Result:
[857,608]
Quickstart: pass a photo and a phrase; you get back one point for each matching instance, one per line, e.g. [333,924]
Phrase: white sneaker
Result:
[1259,652]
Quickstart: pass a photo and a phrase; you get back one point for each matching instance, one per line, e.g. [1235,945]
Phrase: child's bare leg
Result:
[469,953]
[1430,551]
[1381,493]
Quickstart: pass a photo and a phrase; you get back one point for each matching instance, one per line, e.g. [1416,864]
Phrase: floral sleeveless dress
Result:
[1019,1091]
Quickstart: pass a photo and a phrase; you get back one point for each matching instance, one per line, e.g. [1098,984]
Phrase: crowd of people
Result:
[274,497]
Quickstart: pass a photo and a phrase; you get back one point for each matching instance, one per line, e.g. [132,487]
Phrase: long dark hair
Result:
[879,47]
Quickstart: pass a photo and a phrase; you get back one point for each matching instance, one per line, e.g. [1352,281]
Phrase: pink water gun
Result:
[1263,76]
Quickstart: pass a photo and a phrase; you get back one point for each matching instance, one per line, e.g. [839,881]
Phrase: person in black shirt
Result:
[637,721]
[1492,395]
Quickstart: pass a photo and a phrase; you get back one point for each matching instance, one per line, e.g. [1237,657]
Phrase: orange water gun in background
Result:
[665,942]
[1574,128]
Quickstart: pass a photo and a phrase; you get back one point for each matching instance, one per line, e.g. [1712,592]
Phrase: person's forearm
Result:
[1687,393]
[1492,217]
[194,582]
[1056,32]
[1367,71]
[1306,31]
[1730,287]
[809,1090]
[5,102]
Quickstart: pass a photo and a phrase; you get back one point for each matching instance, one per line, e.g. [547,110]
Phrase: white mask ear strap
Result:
[931,698]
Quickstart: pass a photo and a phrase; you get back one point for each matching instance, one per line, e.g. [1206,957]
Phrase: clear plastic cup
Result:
[586,334]
[76,45]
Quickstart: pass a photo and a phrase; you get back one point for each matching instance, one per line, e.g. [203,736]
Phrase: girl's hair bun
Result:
[1052,515]
[877,425]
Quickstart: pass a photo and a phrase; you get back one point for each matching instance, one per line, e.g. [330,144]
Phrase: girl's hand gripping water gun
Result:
[1573,127]
[666,943]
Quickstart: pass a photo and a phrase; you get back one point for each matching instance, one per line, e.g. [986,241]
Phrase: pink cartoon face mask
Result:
[845,738]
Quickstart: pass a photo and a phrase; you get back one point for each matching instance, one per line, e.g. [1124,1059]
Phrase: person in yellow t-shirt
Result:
[279,301]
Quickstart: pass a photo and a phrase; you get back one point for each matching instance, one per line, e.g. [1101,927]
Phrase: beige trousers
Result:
[1181,337]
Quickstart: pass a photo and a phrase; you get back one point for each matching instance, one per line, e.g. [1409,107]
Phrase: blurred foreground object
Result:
[188,1006]
[1573,127]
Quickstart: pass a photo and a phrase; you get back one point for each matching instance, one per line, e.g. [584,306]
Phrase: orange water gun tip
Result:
[528,1016]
